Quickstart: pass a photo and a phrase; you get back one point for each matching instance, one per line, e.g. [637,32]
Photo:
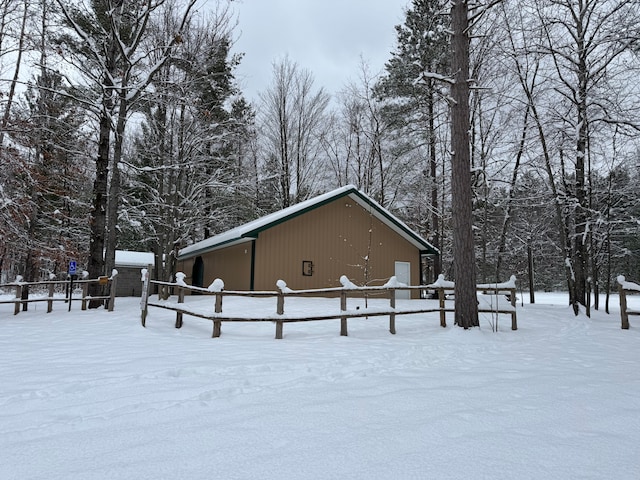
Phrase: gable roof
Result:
[250,231]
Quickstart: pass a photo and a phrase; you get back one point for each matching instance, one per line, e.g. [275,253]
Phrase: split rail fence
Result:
[280,317]
[626,288]
[24,292]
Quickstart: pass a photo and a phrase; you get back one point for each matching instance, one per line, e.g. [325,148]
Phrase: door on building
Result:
[197,274]
[403,275]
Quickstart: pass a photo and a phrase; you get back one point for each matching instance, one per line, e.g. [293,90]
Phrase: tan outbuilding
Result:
[311,245]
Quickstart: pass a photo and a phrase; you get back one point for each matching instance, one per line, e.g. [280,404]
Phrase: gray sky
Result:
[327,37]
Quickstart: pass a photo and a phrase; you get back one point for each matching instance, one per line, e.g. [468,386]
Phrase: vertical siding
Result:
[337,238]
[186,267]
[231,264]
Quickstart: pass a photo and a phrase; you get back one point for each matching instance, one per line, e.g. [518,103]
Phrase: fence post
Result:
[112,293]
[343,319]
[16,309]
[85,292]
[624,316]
[50,300]
[217,324]
[279,311]
[25,296]
[443,320]
[514,320]
[392,315]
[144,301]
[180,300]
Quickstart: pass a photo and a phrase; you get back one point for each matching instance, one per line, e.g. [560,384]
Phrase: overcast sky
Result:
[327,37]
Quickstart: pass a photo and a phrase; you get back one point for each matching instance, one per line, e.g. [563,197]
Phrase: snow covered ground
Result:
[93,395]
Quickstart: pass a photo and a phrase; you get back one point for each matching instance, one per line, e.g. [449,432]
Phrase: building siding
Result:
[336,238]
[340,237]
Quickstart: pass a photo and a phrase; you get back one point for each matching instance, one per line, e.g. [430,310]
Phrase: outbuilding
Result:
[311,245]
[129,265]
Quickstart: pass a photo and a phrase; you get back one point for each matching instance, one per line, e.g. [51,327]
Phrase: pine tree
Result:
[464,263]
[413,88]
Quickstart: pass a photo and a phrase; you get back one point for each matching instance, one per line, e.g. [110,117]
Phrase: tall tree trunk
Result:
[581,253]
[464,263]
[98,221]
[512,193]
[433,174]
[95,265]
[114,187]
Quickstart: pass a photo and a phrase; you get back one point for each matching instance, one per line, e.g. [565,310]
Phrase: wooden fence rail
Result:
[280,318]
[625,288]
[22,294]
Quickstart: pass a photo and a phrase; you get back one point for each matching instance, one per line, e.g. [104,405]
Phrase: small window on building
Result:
[307,268]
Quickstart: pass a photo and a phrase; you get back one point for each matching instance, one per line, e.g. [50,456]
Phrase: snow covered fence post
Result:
[392,315]
[392,284]
[343,308]
[112,291]
[440,284]
[512,294]
[51,290]
[181,284]
[346,285]
[443,315]
[16,309]
[217,286]
[144,300]
[624,316]
[282,287]
[85,296]
[85,291]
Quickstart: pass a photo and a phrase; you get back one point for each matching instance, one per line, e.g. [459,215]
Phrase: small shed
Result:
[129,265]
[311,245]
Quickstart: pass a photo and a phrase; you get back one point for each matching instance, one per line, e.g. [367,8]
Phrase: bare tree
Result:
[292,119]
[190,170]
[588,43]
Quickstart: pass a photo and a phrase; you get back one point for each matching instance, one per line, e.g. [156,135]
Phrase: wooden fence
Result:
[625,288]
[279,317]
[23,291]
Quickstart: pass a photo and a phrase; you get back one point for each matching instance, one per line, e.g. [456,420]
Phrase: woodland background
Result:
[122,126]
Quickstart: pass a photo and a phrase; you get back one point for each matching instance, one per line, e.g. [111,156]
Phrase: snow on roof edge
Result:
[134,259]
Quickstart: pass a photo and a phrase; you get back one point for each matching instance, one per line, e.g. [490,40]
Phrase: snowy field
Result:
[93,395]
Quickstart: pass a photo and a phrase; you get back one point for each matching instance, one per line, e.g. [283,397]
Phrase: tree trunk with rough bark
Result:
[464,264]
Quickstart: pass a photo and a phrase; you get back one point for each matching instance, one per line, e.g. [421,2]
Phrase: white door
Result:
[403,275]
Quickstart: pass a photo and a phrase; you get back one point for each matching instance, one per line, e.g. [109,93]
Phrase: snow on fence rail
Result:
[23,291]
[487,299]
[625,288]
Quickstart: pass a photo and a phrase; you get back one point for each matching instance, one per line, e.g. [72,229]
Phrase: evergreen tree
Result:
[58,177]
[413,89]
